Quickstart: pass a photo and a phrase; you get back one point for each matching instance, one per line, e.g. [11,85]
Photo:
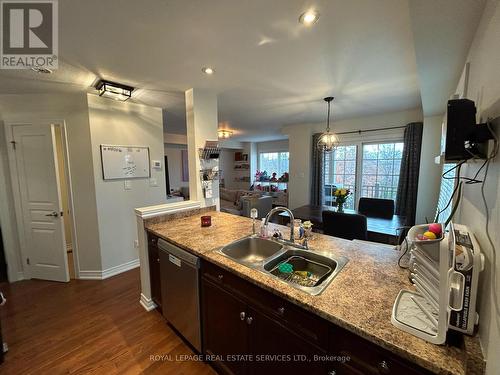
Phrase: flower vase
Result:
[340,207]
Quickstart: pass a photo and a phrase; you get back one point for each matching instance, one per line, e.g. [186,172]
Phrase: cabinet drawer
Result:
[221,277]
[309,326]
[366,357]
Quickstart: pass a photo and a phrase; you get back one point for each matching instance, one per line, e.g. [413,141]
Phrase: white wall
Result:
[72,108]
[300,139]
[7,215]
[429,181]
[124,123]
[201,118]
[174,154]
[270,146]
[484,89]
[177,139]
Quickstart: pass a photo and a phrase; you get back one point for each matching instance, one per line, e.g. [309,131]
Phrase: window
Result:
[373,172]
[380,170]
[340,172]
[273,162]
[445,202]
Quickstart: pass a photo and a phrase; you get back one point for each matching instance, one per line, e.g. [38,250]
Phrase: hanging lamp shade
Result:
[328,141]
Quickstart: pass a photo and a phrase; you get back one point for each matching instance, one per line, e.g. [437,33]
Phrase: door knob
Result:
[242,315]
[53,214]
[249,320]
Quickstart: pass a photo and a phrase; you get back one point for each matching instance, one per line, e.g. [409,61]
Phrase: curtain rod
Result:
[372,130]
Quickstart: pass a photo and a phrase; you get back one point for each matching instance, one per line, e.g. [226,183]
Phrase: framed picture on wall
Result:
[184,166]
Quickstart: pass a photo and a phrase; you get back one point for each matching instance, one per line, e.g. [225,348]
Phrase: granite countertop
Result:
[359,299]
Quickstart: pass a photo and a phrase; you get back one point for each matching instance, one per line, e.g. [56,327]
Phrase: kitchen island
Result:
[357,303]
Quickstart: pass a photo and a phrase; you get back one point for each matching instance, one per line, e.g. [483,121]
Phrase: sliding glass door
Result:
[373,172]
[340,172]
[380,170]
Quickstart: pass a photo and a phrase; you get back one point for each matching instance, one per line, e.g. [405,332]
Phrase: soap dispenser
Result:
[263,229]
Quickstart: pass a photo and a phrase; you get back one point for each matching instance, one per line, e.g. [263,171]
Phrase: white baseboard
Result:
[120,268]
[109,272]
[90,275]
[147,303]
[20,276]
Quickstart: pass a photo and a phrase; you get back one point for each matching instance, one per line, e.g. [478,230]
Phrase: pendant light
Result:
[328,141]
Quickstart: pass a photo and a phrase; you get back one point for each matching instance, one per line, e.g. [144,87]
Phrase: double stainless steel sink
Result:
[308,270]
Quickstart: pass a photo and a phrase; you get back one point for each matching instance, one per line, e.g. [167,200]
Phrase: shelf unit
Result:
[266,185]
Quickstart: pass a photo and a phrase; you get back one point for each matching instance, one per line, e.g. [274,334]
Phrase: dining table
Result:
[380,229]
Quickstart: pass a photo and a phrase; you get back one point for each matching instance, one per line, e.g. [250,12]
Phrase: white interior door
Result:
[40,201]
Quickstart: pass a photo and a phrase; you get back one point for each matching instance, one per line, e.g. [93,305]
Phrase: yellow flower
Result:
[343,192]
[307,224]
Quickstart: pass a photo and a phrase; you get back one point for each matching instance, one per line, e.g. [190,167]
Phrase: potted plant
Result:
[341,196]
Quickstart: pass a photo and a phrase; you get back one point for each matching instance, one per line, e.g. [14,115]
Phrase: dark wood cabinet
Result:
[277,349]
[225,330]
[1,342]
[154,269]
[272,335]
[364,357]
[248,331]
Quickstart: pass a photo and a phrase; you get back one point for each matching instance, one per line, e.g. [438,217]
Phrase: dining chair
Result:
[343,225]
[376,207]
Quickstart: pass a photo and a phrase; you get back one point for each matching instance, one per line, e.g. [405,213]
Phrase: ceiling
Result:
[271,70]
[443,31]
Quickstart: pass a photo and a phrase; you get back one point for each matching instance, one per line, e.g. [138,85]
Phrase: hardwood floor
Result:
[88,327]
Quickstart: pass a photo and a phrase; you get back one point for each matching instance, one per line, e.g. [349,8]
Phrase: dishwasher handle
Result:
[178,253]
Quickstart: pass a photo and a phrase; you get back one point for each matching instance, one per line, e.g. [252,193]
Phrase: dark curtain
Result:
[406,200]
[317,176]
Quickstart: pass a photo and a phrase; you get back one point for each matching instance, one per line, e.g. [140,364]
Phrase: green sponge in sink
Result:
[285,268]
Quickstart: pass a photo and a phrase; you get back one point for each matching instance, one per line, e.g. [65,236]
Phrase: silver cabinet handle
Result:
[249,320]
[53,214]
[384,367]
[242,315]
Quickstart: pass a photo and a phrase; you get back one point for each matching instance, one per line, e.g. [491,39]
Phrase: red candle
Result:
[206,221]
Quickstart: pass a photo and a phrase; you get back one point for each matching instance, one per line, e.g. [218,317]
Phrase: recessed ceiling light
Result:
[308,18]
[208,70]
[41,70]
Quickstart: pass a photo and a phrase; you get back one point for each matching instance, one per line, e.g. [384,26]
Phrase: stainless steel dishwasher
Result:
[180,291]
